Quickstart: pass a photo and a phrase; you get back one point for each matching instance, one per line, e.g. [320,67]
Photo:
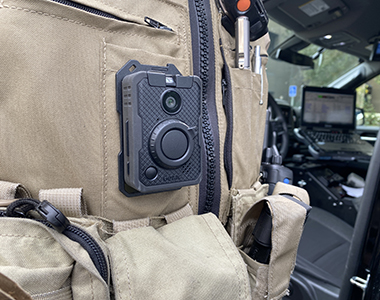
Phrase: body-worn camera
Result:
[160,128]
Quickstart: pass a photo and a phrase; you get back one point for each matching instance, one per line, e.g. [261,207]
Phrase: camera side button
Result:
[151,173]
[127,136]
[174,144]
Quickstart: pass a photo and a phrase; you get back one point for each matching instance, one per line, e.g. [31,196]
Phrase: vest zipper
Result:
[203,54]
[228,110]
[55,219]
[87,9]
[96,253]
[94,11]
[88,243]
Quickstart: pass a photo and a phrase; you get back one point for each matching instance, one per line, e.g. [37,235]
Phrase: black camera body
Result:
[160,114]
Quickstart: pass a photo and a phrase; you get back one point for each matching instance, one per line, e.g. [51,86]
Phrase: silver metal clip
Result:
[361,283]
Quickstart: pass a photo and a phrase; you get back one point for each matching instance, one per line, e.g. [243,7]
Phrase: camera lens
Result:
[171,102]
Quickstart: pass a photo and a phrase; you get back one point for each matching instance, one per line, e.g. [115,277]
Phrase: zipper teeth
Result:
[87,9]
[87,242]
[206,125]
[228,109]
[99,260]
[228,138]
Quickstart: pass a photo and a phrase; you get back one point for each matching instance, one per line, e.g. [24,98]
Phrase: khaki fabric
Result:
[10,191]
[248,117]
[288,218]
[59,128]
[248,113]
[192,258]
[46,264]
[9,290]
[242,201]
[58,106]
[180,255]
[300,194]
[154,222]
[68,201]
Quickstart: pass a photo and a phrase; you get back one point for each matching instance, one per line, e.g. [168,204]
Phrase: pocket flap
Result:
[191,258]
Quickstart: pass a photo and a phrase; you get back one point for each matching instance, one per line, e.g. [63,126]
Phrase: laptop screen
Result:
[328,108]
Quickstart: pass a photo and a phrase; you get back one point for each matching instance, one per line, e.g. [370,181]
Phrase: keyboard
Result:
[329,137]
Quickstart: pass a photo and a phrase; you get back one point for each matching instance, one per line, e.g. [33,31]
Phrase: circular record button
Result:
[171,143]
[174,144]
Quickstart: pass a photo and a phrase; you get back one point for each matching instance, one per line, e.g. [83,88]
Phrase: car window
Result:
[286,80]
[368,98]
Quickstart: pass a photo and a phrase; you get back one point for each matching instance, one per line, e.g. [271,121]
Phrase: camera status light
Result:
[170,81]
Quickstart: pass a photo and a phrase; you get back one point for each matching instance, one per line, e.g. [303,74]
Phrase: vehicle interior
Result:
[322,50]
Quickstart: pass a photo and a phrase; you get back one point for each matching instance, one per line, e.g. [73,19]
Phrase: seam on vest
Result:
[103,108]
[127,271]
[26,236]
[92,286]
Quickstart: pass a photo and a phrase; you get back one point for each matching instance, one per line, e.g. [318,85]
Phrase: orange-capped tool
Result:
[254,10]
[246,20]
[243,5]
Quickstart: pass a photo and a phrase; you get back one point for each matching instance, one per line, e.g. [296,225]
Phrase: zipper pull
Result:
[53,216]
[21,209]
[156,24]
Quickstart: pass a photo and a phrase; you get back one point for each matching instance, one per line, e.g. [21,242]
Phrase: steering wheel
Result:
[279,125]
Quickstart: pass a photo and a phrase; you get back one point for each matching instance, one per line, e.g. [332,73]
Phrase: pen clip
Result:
[257,68]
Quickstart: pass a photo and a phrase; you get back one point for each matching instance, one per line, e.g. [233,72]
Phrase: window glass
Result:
[368,99]
[286,80]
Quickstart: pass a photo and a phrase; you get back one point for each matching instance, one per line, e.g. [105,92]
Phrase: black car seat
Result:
[330,249]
